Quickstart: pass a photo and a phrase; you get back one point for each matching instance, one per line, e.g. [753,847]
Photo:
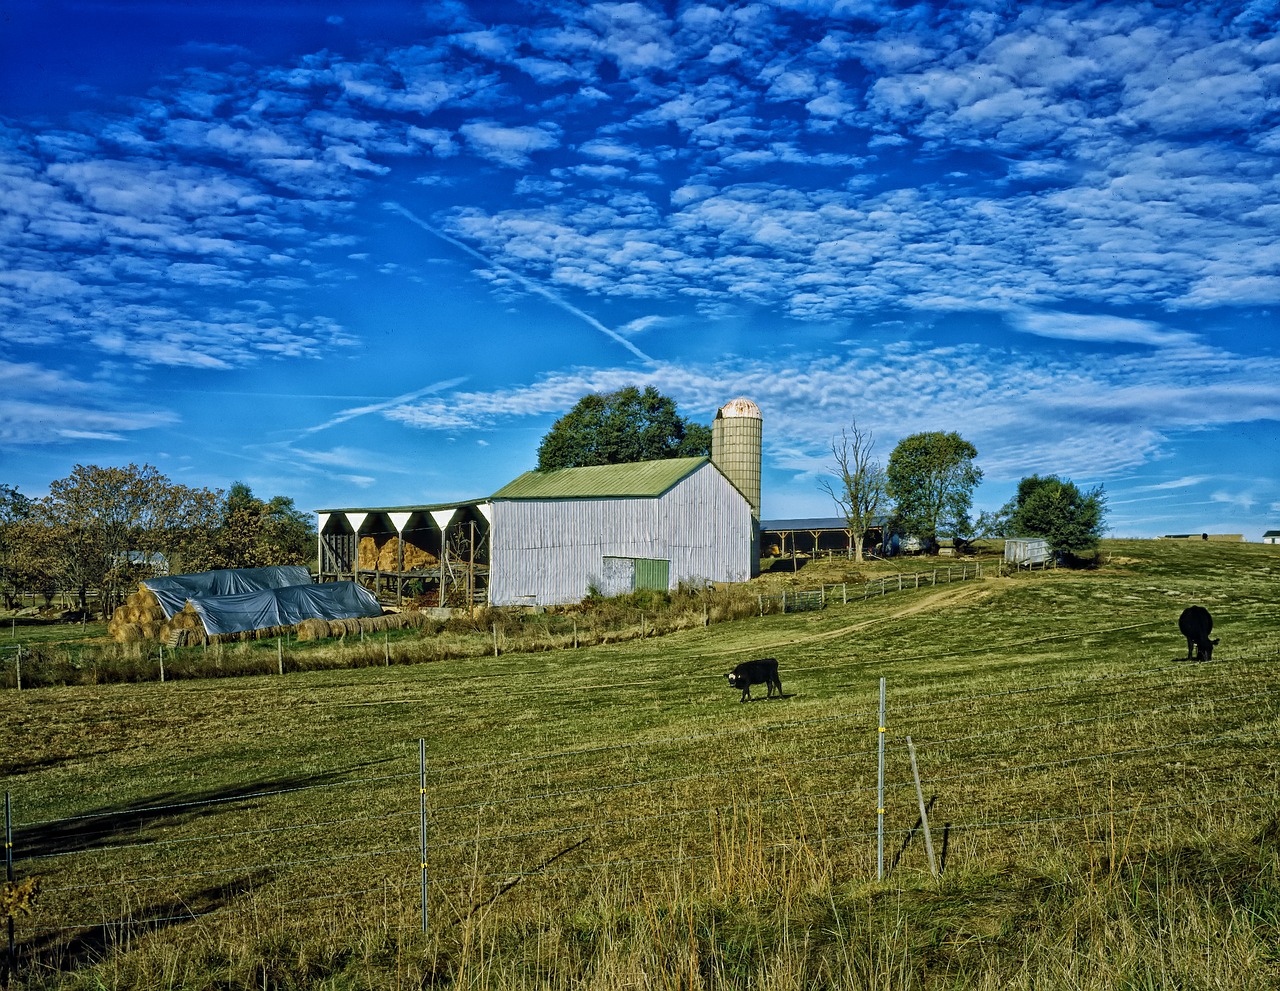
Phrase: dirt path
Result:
[951,595]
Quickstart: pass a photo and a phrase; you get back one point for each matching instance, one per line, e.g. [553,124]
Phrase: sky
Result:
[365,254]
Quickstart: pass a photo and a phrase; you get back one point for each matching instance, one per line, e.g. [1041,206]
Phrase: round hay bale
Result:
[151,631]
[312,629]
[128,633]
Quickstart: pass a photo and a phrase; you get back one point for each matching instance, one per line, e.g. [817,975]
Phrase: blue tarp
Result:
[174,590]
[289,606]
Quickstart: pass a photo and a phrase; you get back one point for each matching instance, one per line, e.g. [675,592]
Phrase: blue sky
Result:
[366,254]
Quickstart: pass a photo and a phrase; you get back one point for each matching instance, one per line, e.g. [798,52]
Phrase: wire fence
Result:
[805,600]
[1169,750]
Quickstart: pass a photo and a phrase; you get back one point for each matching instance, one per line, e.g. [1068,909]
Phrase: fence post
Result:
[17,667]
[924,815]
[280,652]
[422,793]
[495,639]
[11,959]
[880,794]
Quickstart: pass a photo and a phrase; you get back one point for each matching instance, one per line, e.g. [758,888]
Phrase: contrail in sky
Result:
[528,284]
[351,414]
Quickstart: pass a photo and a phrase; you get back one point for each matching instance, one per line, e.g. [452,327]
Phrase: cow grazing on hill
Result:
[1196,624]
[761,672]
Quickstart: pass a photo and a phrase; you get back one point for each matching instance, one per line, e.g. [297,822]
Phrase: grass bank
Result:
[1103,813]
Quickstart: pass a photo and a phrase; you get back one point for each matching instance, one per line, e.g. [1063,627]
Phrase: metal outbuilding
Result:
[553,537]
[549,538]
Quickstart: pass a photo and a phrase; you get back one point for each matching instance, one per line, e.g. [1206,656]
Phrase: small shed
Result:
[1026,551]
[1271,537]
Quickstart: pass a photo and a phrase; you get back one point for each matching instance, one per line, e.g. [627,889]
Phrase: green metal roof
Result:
[641,479]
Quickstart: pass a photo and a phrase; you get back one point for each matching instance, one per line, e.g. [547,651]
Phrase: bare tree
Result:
[860,490]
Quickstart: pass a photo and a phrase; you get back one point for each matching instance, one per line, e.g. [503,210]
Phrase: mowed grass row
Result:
[1103,811]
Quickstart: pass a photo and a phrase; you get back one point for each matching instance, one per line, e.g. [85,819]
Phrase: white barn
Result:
[554,536]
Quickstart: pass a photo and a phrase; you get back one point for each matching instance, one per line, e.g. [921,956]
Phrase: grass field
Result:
[1103,813]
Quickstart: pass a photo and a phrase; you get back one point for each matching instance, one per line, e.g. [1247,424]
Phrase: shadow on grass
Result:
[76,947]
[111,825]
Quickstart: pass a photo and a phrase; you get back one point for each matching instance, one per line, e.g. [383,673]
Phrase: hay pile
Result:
[371,557]
[140,618]
[318,629]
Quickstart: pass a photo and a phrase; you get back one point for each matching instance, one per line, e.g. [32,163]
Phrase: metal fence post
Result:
[880,794]
[422,792]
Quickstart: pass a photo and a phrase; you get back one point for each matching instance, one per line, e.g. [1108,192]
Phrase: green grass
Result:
[611,817]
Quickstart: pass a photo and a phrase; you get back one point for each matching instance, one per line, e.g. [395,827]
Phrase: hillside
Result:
[1103,813]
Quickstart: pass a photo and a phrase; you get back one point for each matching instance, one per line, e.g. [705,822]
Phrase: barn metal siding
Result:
[548,551]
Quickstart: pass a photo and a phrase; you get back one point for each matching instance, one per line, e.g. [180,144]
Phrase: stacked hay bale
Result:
[371,557]
[414,556]
[140,618]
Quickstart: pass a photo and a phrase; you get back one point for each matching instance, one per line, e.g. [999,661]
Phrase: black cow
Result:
[1196,624]
[761,672]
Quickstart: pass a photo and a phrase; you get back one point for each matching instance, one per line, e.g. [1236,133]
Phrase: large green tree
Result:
[931,479]
[1072,521]
[620,428]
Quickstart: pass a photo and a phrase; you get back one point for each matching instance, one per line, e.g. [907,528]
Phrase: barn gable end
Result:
[552,531]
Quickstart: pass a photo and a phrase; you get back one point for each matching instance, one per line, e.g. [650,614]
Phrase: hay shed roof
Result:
[643,479]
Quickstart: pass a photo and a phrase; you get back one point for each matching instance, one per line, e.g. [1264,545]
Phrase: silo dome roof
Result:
[740,407]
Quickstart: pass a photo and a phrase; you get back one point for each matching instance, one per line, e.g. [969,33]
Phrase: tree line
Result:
[925,490]
[104,529]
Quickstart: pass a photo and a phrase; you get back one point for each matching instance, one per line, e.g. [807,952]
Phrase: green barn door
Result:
[652,573]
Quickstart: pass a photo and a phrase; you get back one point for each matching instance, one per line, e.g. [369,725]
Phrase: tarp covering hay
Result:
[173,591]
[237,602]
[371,557]
[279,607]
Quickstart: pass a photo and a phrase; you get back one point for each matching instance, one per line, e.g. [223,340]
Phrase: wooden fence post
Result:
[924,815]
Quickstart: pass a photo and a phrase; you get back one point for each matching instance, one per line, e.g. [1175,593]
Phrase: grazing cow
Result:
[761,672]
[1196,624]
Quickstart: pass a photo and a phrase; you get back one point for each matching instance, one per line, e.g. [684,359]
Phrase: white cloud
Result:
[510,146]
[1097,329]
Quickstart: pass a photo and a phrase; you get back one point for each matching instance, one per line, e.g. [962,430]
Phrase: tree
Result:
[15,510]
[94,518]
[621,427]
[1054,508]
[931,477]
[860,489]
[253,533]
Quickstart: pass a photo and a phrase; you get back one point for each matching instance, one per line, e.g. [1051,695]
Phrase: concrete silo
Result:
[737,435]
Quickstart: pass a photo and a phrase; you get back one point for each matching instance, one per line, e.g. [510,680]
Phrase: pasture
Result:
[1103,813]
